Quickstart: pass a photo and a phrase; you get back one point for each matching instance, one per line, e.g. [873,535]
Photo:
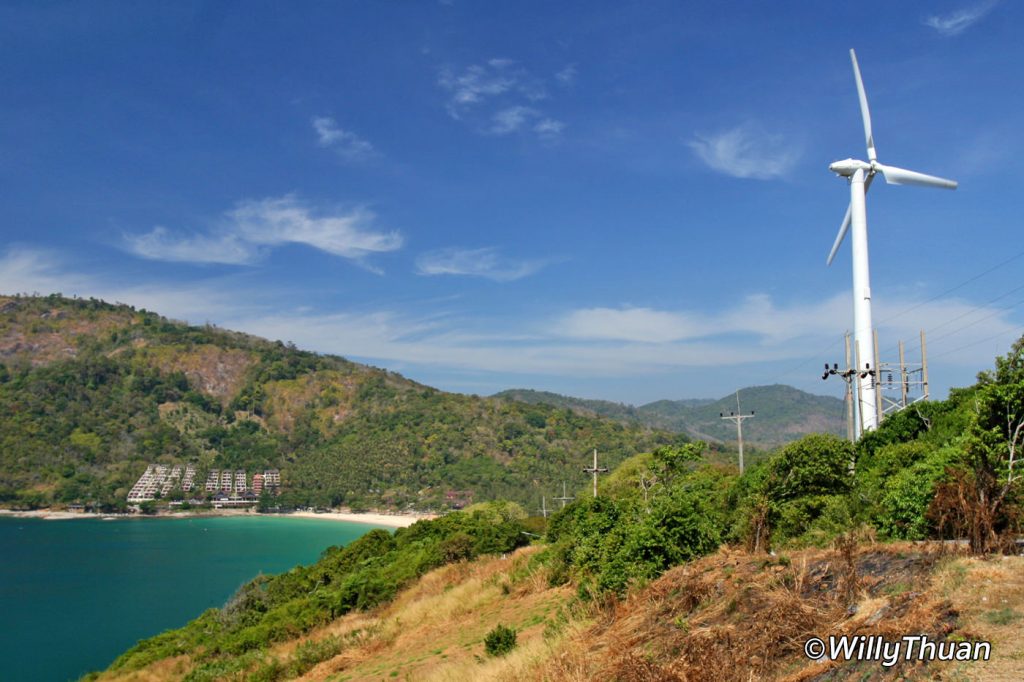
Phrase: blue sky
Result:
[624,201]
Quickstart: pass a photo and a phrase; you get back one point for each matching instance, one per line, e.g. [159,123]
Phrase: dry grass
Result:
[434,631]
[989,594]
[174,668]
[728,617]
[736,616]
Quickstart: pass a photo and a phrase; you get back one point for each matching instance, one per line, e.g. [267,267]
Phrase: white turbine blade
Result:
[865,114]
[843,229]
[902,176]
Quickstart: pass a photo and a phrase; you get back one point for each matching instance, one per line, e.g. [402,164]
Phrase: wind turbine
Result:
[860,174]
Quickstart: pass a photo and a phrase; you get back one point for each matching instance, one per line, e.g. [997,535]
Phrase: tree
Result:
[982,501]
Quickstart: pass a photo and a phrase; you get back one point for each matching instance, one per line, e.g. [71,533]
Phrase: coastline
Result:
[368,518]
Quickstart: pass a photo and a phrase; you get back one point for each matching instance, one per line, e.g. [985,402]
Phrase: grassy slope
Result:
[728,616]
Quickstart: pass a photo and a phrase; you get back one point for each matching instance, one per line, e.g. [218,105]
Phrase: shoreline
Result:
[367,518]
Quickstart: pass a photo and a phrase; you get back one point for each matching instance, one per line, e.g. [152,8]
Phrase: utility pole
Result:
[595,470]
[544,506]
[738,417]
[850,435]
[564,498]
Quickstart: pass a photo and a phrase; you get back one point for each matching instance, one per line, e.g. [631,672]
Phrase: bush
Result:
[500,641]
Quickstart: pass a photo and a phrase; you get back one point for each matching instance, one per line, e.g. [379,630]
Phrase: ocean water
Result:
[75,594]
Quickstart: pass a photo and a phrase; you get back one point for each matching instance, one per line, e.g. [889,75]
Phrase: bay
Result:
[75,594]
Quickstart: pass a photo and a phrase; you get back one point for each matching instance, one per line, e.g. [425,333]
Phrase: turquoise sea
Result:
[74,594]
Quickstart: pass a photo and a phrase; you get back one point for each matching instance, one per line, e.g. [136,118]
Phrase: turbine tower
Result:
[860,174]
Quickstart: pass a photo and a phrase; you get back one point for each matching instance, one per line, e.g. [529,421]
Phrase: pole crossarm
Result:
[738,417]
[595,470]
[565,497]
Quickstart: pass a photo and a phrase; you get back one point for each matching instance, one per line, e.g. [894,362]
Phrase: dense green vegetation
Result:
[948,469]
[91,393]
[783,413]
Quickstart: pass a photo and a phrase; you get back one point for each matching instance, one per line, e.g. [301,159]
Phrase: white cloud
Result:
[160,244]
[745,152]
[246,232]
[476,83]
[346,143]
[567,75]
[760,326]
[512,119]
[549,127]
[959,21]
[629,324]
[498,97]
[28,271]
[485,262]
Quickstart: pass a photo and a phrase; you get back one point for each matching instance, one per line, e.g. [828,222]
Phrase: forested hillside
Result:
[680,569]
[783,413]
[91,392]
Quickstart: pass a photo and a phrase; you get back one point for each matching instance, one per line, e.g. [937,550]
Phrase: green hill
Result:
[783,413]
[91,393]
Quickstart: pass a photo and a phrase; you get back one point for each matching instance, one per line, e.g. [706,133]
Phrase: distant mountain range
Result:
[782,413]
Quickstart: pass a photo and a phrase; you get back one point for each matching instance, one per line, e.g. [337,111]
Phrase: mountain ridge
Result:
[782,413]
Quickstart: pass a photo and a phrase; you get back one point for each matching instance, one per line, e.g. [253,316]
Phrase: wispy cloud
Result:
[485,262]
[548,127]
[477,83]
[245,234]
[25,270]
[347,144]
[499,97]
[512,119]
[746,152]
[959,21]
[567,75]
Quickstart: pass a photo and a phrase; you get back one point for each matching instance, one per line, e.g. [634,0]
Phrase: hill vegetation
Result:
[92,392]
[667,574]
[784,413]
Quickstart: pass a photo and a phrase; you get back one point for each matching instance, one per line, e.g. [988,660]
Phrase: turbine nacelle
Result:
[847,167]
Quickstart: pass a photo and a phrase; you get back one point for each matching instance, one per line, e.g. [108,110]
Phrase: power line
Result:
[952,289]
[994,313]
[975,343]
[968,313]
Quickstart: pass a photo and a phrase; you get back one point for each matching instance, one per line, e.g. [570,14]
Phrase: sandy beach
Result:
[372,518]
[368,518]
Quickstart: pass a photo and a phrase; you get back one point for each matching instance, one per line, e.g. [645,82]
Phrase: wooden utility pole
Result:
[738,417]
[595,470]
[850,430]
[860,395]
[565,497]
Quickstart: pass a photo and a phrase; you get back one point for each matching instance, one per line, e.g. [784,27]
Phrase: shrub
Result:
[500,641]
